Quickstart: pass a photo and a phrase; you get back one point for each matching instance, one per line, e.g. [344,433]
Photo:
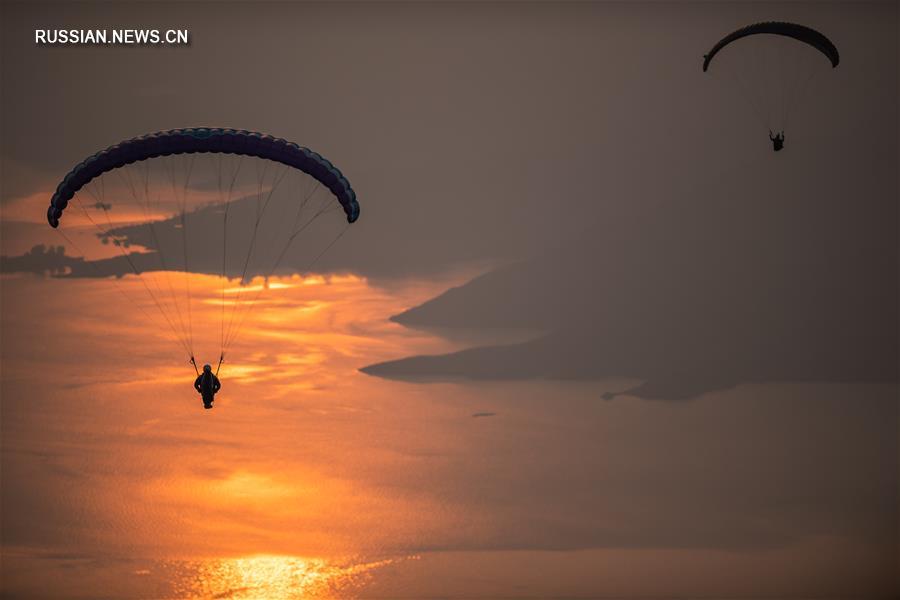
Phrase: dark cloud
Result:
[42,259]
[699,293]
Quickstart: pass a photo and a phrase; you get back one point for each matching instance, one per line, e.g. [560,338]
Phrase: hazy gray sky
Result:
[469,130]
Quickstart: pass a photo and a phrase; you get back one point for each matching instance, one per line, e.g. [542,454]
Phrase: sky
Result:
[590,336]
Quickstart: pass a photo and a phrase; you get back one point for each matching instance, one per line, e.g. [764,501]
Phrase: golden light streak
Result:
[270,577]
[272,285]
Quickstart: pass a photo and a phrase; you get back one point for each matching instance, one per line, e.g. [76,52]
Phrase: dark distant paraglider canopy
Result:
[204,140]
[792,30]
[771,67]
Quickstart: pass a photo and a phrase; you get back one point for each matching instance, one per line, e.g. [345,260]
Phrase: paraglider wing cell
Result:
[204,140]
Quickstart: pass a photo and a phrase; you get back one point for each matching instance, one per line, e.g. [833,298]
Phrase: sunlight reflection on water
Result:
[309,474]
[267,576]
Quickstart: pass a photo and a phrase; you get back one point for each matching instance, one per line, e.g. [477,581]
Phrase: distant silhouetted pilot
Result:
[207,384]
[777,140]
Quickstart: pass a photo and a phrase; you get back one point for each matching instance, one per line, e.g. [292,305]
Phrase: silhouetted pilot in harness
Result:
[777,140]
[207,384]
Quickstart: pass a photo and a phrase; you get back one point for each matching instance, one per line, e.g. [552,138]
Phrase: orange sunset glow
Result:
[308,479]
[267,478]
